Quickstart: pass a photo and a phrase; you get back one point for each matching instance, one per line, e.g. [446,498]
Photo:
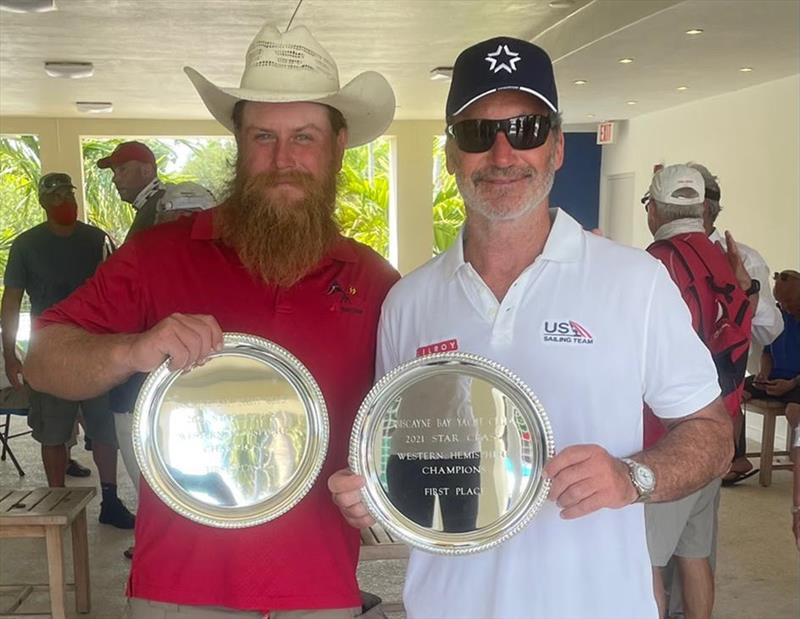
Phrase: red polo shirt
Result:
[307,558]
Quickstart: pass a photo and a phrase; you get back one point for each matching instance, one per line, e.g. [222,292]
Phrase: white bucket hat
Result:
[293,66]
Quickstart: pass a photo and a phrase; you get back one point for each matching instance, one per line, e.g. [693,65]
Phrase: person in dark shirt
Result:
[49,262]
[779,375]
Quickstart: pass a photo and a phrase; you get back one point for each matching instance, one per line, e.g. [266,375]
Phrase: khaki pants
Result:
[147,609]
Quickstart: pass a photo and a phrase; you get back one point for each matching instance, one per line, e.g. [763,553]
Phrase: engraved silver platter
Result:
[235,442]
[452,446]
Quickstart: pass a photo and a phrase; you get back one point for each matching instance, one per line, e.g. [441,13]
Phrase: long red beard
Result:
[276,238]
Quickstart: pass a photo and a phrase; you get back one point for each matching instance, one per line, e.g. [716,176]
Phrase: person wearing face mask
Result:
[49,262]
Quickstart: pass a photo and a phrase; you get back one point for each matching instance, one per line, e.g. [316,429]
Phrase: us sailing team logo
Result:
[565,332]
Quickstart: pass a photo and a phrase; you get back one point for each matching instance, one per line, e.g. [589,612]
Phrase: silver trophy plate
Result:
[452,447]
[235,442]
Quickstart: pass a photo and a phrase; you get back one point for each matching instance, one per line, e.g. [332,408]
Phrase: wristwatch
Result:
[642,478]
[755,287]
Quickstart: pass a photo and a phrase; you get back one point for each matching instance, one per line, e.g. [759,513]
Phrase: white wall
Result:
[749,138]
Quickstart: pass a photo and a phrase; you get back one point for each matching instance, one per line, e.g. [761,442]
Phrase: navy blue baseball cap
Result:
[501,63]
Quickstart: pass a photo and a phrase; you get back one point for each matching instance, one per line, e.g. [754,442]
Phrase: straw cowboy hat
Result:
[293,66]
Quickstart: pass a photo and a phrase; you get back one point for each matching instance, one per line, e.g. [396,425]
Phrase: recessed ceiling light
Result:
[441,73]
[683,88]
[746,69]
[625,60]
[27,6]
[560,4]
[590,116]
[631,102]
[694,31]
[69,70]
[580,82]
[94,107]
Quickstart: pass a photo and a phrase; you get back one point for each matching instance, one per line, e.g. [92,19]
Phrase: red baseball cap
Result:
[125,152]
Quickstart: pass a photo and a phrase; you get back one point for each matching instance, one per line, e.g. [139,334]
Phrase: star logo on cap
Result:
[498,63]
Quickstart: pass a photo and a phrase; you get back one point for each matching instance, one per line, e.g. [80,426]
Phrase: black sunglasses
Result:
[478,135]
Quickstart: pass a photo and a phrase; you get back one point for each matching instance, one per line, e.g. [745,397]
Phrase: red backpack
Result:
[727,333]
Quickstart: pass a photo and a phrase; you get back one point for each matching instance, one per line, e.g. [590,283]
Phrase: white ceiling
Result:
[139,47]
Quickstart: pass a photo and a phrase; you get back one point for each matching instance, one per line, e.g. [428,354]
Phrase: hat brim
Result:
[367,103]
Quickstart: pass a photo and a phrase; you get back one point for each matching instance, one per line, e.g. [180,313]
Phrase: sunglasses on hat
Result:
[478,135]
[53,181]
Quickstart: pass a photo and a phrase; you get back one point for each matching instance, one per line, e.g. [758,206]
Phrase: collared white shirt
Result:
[767,319]
[594,328]
[149,189]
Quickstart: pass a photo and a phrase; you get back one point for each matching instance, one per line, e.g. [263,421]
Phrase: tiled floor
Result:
[757,569]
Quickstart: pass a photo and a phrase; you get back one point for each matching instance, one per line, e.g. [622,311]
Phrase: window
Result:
[448,206]
[363,197]
[362,208]
[20,169]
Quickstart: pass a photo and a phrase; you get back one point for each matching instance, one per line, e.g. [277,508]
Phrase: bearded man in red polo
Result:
[263,262]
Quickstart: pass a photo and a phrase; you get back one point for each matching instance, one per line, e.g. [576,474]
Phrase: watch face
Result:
[645,477]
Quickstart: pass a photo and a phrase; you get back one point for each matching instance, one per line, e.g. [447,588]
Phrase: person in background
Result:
[767,322]
[49,262]
[778,377]
[136,179]
[685,529]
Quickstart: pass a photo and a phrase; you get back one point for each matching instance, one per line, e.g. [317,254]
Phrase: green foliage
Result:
[20,168]
[212,164]
[362,207]
[448,206]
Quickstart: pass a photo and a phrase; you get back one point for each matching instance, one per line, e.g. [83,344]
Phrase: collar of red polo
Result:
[204,229]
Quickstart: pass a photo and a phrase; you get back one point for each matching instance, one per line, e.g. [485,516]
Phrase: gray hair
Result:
[671,212]
[711,185]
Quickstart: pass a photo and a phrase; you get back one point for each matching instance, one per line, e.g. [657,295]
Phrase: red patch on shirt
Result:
[432,349]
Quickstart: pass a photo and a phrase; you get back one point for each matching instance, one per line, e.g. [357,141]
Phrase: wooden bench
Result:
[770,410]
[47,512]
[378,544]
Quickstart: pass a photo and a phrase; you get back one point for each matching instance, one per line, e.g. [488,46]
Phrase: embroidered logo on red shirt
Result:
[344,297]
[431,349]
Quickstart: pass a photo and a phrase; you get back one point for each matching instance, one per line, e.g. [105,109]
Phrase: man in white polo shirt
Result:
[518,272]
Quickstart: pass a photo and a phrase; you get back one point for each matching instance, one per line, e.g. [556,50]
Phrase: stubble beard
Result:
[277,238]
[504,205]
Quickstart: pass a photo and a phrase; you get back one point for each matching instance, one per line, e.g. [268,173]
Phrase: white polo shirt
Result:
[594,328]
[767,319]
